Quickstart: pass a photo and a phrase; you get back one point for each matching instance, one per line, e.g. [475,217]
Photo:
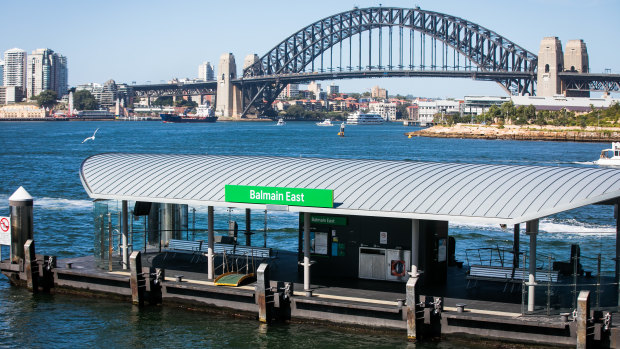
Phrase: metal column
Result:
[515,246]
[210,241]
[21,208]
[124,235]
[415,243]
[248,230]
[307,253]
[532,231]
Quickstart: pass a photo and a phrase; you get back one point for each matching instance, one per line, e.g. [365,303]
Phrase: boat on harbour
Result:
[358,118]
[326,122]
[611,156]
[204,113]
[280,122]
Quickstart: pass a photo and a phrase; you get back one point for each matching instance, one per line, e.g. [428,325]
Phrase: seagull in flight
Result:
[91,138]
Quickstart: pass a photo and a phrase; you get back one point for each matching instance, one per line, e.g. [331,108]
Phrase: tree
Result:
[184,103]
[46,99]
[162,101]
[84,100]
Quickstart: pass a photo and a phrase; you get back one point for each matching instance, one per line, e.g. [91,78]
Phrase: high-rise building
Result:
[15,68]
[378,92]
[46,70]
[205,72]
[1,72]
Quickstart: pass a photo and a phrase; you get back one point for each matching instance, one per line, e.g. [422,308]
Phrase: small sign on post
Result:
[5,230]
[5,233]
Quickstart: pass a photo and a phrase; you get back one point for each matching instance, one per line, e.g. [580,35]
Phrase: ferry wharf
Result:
[373,233]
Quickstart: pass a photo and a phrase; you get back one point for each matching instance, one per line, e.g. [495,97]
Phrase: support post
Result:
[136,279]
[248,229]
[30,266]
[532,231]
[412,301]
[307,254]
[124,235]
[20,204]
[583,312]
[415,243]
[211,244]
[515,246]
[262,287]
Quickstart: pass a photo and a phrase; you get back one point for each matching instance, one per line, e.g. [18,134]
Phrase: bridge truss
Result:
[391,42]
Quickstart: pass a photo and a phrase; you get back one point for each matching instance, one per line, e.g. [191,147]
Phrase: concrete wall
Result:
[550,63]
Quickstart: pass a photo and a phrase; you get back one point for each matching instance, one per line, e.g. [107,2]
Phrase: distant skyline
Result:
[156,40]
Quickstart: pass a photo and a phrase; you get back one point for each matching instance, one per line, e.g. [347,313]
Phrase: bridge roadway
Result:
[376,73]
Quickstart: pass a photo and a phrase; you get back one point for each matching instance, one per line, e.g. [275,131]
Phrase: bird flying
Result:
[91,138]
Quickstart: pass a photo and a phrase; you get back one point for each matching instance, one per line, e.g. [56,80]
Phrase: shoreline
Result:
[521,133]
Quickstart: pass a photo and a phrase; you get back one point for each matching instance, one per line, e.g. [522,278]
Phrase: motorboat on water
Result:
[326,122]
[280,122]
[358,118]
[611,156]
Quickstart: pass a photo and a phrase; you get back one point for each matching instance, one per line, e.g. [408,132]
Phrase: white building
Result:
[290,91]
[15,68]
[206,72]
[46,70]
[476,105]
[428,109]
[559,102]
[386,110]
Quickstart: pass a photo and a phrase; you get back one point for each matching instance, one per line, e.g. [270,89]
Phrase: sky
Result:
[154,41]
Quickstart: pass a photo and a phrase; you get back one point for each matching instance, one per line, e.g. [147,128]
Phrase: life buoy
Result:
[398,268]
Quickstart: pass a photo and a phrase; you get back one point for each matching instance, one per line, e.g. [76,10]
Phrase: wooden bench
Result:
[184,246]
[507,275]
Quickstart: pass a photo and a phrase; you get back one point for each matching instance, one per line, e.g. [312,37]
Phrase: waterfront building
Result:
[21,112]
[378,92]
[559,102]
[10,94]
[476,105]
[206,72]
[386,110]
[412,113]
[46,70]
[15,68]
[428,109]
[1,72]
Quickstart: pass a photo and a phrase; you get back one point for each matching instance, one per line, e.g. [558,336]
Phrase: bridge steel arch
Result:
[488,51]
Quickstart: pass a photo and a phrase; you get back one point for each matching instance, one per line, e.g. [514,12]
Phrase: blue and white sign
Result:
[5,230]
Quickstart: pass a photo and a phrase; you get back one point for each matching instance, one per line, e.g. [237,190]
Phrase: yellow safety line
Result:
[200,282]
[363,300]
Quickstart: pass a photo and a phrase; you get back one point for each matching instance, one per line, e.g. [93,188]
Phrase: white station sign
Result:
[5,230]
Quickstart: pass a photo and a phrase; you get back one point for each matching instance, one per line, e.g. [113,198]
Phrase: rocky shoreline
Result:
[522,133]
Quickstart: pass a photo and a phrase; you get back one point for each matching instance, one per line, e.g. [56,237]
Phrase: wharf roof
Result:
[458,192]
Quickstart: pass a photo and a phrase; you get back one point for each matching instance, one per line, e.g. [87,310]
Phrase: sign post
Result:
[5,233]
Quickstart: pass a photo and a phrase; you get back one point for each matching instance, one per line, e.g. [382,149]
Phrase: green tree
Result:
[46,99]
[84,100]
[163,101]
[184,103]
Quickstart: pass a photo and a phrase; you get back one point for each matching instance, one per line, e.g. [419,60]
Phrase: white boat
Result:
[610,157]
[326,122]
[358,118]
[280,122]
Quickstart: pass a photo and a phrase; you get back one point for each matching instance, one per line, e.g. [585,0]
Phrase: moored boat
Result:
[358,118]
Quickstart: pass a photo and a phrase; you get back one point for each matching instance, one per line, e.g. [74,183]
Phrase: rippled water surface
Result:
[45,157]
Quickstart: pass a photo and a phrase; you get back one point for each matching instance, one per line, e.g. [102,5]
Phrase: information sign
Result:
[279,196]
[5,231]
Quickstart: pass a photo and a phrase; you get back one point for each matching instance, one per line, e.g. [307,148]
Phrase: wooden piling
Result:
[136,279]
[583,312]
[262,287]
[30,266]
[411,299]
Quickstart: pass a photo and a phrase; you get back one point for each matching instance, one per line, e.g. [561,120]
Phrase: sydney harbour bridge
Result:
[380,42]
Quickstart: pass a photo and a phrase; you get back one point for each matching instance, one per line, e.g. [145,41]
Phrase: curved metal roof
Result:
[505,194]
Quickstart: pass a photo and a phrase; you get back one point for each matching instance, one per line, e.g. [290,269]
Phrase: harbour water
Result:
[45,157]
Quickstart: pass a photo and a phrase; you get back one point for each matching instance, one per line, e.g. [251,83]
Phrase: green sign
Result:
[279,196]
[326,220]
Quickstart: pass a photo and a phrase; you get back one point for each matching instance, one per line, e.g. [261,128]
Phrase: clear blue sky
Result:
[158,40]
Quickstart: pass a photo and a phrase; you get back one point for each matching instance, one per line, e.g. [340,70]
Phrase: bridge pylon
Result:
[228,98]
[550,63]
